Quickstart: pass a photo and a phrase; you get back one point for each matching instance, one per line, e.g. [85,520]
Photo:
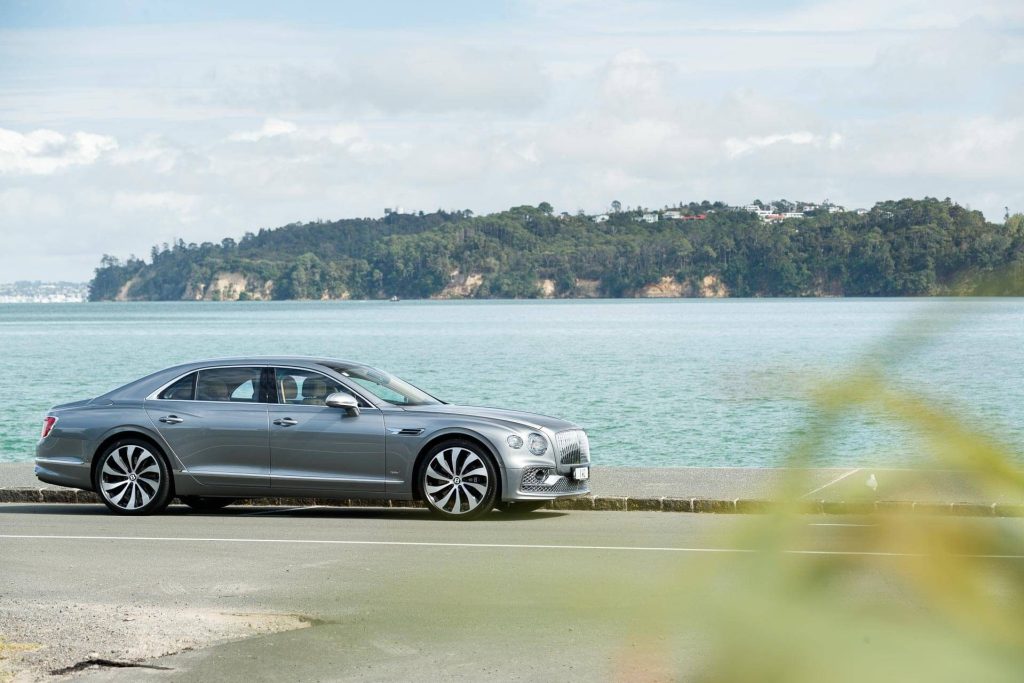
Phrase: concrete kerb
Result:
[593,503]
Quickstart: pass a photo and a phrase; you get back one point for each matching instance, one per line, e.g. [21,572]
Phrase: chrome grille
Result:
[573,447]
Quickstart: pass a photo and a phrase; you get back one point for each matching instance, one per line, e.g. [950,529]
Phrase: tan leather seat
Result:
[314,392]
[289,389]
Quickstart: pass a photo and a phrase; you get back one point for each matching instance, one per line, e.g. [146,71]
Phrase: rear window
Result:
[182,390]
[236,385]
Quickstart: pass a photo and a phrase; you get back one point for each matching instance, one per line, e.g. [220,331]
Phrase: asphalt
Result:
[330,593]
[698,489]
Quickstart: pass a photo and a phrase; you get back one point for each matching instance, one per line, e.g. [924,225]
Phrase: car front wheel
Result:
[458,480]
[132,478]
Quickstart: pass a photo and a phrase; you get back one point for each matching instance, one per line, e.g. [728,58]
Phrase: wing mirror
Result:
[346,402]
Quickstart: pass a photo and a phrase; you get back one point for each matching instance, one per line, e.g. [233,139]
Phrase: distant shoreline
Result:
[923,297]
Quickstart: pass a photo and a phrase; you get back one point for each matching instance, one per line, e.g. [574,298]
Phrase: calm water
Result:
[657,383]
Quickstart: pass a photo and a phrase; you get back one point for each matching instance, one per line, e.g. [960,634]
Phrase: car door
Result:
[216,421]
[317,448]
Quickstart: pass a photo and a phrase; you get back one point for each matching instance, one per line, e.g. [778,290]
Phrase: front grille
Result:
[573,447]
[533,482]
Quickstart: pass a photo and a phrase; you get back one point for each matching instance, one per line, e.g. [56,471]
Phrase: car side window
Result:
[305,387]
[182,390]
[237,385]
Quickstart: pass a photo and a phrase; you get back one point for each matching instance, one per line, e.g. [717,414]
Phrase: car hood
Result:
[529,420]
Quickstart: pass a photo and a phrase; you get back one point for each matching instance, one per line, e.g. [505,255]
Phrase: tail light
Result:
[48,423]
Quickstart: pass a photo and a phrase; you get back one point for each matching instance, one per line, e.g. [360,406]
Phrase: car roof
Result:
[144,385]
[264,360]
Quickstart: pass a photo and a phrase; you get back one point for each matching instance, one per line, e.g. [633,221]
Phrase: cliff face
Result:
[229,286]
[465,286]
[124,293]
[460,286]
[668,287]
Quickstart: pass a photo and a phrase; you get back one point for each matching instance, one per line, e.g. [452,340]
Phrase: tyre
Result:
[132,478]
[458,480]
[521,506]
[204,504]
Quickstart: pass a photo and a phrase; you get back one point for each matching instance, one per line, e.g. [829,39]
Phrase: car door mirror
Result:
[346,402]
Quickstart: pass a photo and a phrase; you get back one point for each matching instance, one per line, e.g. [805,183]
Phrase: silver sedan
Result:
[211,432]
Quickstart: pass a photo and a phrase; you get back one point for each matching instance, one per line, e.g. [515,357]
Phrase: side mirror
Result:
[346,402]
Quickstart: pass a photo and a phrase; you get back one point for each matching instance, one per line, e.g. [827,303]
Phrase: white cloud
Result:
[46,151]
[161,156]
[177,202]
[448,77]
[737,147]
[271,128]
[402,74]
[633,75]
[853,15]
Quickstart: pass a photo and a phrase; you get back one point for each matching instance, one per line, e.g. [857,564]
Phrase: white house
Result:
[650,217]
[601,218]
[673,213]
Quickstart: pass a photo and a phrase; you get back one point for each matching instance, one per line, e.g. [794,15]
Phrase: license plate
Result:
[581,473]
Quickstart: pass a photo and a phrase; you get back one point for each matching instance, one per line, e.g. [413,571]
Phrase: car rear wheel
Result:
[132,478]
[521,506]
[458,480]
[204,504]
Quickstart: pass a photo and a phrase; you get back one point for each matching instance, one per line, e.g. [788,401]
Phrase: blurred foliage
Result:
[898,248]
[909,597]
[898,595]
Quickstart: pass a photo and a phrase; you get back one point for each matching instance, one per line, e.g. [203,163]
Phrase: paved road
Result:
[391,594]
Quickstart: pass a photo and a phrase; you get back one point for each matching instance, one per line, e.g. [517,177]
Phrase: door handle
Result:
[171,419]
[285,422]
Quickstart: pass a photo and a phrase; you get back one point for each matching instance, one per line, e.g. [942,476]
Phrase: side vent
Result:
[407,431]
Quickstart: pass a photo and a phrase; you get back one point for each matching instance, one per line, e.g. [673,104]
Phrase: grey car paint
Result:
[217,443]
[235,449]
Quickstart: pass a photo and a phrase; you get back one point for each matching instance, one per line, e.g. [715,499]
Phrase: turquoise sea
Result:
[655,382]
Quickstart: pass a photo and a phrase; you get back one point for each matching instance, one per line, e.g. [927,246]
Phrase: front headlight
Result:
[515,441]
[538,444]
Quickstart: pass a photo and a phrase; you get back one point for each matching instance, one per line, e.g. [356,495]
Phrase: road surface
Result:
[347,594]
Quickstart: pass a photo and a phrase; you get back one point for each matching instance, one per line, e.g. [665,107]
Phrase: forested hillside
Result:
[898,248]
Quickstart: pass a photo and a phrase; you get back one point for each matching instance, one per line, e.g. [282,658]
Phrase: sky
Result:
[125,124]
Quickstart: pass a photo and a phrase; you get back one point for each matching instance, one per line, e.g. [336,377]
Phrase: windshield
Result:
[385,386]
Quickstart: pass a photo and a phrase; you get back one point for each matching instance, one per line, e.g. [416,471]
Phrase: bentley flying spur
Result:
[212,432]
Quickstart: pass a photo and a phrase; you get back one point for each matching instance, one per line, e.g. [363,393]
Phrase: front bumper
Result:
[543,483]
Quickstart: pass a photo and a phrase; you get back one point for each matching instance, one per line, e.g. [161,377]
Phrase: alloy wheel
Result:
[456,480]
[130,477]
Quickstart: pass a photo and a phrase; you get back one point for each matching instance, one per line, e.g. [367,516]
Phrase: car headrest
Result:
[314,387]
[289,389]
